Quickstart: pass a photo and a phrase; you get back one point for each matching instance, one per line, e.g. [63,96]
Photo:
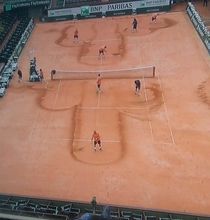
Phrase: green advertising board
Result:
[84,10]
[85,13]
[52,19]
[92,15]
[119,12]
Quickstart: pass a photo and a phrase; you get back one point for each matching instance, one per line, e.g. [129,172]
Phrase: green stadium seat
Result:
[26,208]
[4,206]
[137,216]
[150,217]
[98,212]
[66,207]
[90,211]
[22,203]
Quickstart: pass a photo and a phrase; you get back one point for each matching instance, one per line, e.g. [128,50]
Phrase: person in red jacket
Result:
[96,140]
[41,75]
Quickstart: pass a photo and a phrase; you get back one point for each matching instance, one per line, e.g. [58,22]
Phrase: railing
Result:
[14,205]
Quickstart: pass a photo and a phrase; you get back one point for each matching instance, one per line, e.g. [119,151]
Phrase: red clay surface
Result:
[155,146]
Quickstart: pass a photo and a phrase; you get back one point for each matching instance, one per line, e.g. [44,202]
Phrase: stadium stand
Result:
[57,3]
[7,21]
[15,37]
[16,27]
[72,3]
[19,207]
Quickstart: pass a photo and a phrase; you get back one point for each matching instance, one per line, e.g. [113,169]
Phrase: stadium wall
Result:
[199,25]
[100,10]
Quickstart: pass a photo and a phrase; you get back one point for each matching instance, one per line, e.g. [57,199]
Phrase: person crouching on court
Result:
[137,86]
[76,36]
[20,75]
[154,18]
[96,139]
[102,52]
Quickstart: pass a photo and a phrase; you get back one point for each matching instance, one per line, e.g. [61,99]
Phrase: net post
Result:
[153,71]
[52,73]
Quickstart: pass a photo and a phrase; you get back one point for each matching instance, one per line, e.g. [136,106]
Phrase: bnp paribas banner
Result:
[86,10]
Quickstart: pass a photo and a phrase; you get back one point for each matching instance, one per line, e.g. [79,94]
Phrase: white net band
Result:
[138,72]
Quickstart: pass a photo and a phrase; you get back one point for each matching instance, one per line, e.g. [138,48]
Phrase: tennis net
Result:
[137,72]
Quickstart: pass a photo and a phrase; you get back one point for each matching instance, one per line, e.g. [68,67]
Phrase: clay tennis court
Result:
[155,146]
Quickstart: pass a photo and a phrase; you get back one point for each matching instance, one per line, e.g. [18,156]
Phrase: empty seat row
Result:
[7,20]
[12,42]
[28,207]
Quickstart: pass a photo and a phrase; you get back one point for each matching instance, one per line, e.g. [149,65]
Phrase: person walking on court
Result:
[101,52]
[137,86]
[76,36]
[98,83]
[134,24]
[41,75]
[96,140]
[20,75]
[205,2]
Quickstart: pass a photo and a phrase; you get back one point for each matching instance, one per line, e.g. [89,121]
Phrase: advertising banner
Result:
[199,26]
[106,8]
[16,4]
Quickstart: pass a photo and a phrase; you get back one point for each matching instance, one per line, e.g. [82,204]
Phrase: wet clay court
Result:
[155,146]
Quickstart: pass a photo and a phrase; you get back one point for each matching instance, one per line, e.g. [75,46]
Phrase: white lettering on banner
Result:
[95,9]
[35,3]
[189,12]
[109,7]
[151,3]
[32,3]
[194,21]
[200,31]
[59,12]
[120,6]
[21,5]
[207,43]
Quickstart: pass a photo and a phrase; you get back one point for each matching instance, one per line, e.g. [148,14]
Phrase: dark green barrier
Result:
[120,12]
[91,15]
[198,28]
[153,9]
[52,19]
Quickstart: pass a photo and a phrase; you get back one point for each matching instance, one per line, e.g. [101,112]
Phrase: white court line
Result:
[46,84]
[111,108]
[67,52]
[88,140]
[98,100]
[148,115]
[114,39]
[32,130]
[145,94]
[105,141]
[90,57]
[56,96]
[166,110]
